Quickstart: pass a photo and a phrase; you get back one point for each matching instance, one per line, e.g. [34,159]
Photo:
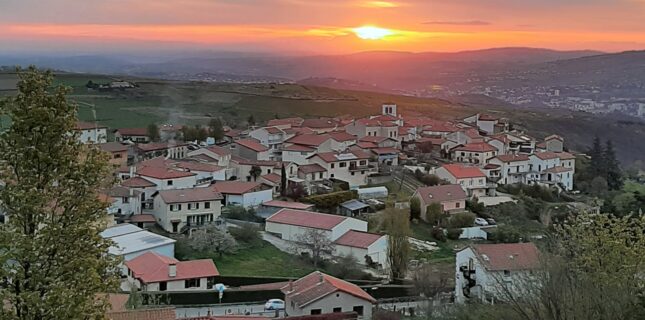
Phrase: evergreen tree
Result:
[216,129]
[397,226]
[613,173]
[54,262]
[153,132]
[251,120]
[597,165]
[283,180]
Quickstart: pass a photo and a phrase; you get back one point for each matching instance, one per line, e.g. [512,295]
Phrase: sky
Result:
[319,26]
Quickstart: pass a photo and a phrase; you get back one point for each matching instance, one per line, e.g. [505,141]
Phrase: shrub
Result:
[454,233]
[415,208]
[247,234]
[331,200]
[505,234]
[434,213]
[475,206]
[240,213]
[462,220]
[438,234]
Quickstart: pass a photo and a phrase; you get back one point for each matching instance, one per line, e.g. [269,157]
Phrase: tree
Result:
[429,281]
[597,165]
[415,208]
[255,172]
[296,191]
[216,129]
[397,226]
[462,220]
[251,120]
[283,180]
[316,243]
[425,147]
[598,186]
[153,132]
[613,173]
[54,262]
[346,267]
[434,213]
[210,238]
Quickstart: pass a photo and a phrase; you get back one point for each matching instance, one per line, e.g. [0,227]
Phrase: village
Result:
[315,187]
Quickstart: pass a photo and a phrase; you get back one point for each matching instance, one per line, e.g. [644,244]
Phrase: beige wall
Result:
[327,304]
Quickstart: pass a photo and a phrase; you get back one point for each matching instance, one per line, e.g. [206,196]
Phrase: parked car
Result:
[274,304]
[481,222]
[491,221]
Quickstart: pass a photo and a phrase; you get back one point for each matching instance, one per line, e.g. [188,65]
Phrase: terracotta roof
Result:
[434,141]
[252,144]
[309,139]
[375,123]
[296,121]
[113,147]
[311,168]
[512,157]
[162,173]
[189,195]
[342,136]
[358,239]
[250,162]
[476,147]
[232,133]
[441,127]
[272,177]
[132,131]
[501,137]
[287,205]
[318,123]
[306,219]
[487,117]
[558,169]
[472,133]
[367,145]
[144,314]
[202,157]
[152,267]
[566,156]
[300,131]
[318,285]
[508,256]
[273,130]
[198,166]
[449,192]
[298,148]
[144,217]
[547,155]
[170,127]
[461,172]
[218,150]
[373,139]
[155,146]
[492,166]
[385,117]
[553,136]
[137,182]
[237,187]
[81,125]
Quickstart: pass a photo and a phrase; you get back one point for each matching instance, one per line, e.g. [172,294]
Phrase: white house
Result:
[246,194]
[290,224]
[319,293]
[552,168]
[126,201]
[205,172]
[451,198]
[136,135]
[362,245]
[212,154]
[272,137]
[513,168]
[477,153]
[154,272]
[484,271]
[144,187]
[472,179]
[351,166]
[252,149]
[297,153]
[185,208]
[167,179]
[169,150]
[89,132]
[131,241]
[320,142]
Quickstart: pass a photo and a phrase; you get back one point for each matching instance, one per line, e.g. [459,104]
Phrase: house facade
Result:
[246,194]
[152,272]
[451,197]
[351,166]
[89,132]
[471,179]
[367,248]
[290,224]
[178,209]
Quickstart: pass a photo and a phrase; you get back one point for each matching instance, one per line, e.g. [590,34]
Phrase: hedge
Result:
[331,200]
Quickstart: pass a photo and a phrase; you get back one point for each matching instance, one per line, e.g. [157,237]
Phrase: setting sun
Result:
[372,33]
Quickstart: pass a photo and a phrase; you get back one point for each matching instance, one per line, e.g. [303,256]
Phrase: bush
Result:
[454,233]
[246,234]
[505,234]
[462,220]
[434,213]
[415,208]
[240,213]
[331,200]
[475,206]
[438,234]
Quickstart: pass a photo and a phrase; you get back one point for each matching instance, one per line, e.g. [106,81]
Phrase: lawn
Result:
[446,253]
[263,261]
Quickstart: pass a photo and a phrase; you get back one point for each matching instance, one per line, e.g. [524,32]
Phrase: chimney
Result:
[133,170]
[172,270]
[290,285]
[320,277]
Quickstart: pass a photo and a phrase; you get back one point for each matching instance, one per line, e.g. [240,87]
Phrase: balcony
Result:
[367,167]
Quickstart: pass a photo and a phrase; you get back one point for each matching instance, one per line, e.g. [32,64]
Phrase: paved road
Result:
[258,309]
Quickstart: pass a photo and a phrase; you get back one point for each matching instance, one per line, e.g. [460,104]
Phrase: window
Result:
[363,162]
[332,166]
[196,205]
[192,283]
[316,311]
[179,207]
[117,155]
[457,205]
[207,205]
[163,286]
[353,173]
[507,273]
[331,175]
[358,310]
[342,164]
[125,200]
[190,206]
[169,182]
[338,309]
[172,207]
[320,175]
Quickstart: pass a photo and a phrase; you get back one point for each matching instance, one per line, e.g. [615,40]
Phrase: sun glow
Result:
[372,33]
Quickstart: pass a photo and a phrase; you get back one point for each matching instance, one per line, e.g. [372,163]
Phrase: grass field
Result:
[263,261]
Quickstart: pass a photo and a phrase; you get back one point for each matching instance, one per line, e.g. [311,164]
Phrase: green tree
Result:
[415,208]
[434,213]
[613,173]
[462,220]
[597,164]
[153,132]
[283,180]
[216,129]
[397,226]
[54,262]
[251,120]
[255,172]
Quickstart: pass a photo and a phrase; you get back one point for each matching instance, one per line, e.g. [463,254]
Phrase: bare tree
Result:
[315,242]
[210,238]
[397,226]
[429,281]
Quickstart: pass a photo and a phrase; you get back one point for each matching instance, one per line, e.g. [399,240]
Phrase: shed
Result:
[353,208]
[372,193]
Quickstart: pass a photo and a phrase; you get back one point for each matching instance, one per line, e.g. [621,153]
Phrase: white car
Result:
[274,304]
[481,222]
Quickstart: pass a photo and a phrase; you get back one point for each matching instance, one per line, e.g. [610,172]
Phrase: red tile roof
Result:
[449,192]
[476,147]
[309,139]
[306,219]
[512,157]
[152,267]
[252,144]
[113,147]
[162,173]
[373,139]
[319,123]
[237,187]
[547,155]
[487,117]
[367,145]
[385,150]
[552,137]
[311,168]
[296,122]
[132,131]
[358,239]
[318,285]
[272,177]
[491,166]
[508,256]
[219,150]
[250,162]
[144,314]
[342,136]
[147,218]
[461,172]
[273,130]
[189,195]
[566,156]
[298,148]
[198,166]
[287,205]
